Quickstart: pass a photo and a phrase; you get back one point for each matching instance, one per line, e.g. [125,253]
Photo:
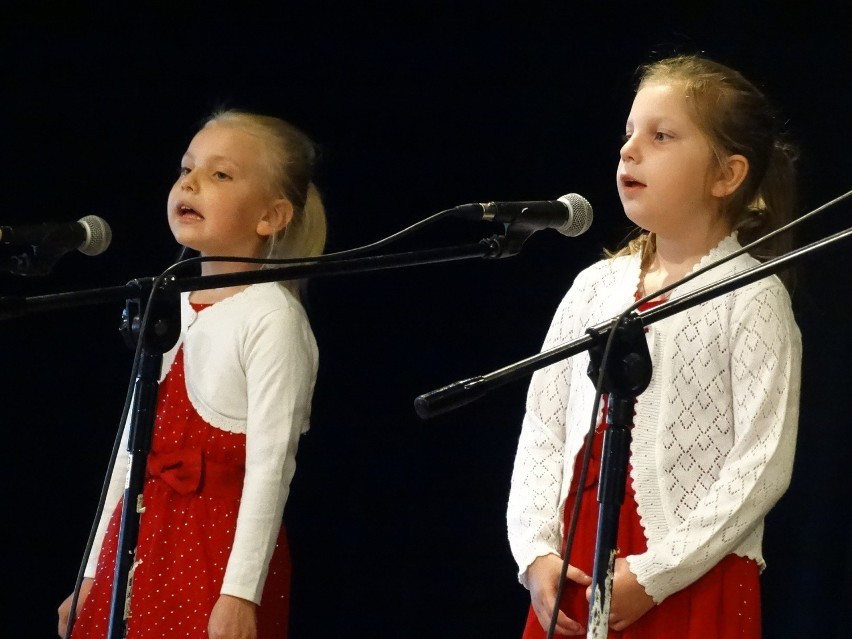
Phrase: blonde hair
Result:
[737,119]
[292,157]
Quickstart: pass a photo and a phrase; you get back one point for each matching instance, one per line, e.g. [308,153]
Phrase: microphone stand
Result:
[626,380]
[496,246]
[164,316]
[466,391]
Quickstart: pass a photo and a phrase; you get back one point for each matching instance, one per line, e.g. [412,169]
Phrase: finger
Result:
[578,576]
[63,620]
[564,625]
[618,624]
[568,626]
[543,608]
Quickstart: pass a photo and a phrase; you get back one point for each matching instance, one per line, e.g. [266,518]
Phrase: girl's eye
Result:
[625,137]
[219,175]
[660,136]
[183,171]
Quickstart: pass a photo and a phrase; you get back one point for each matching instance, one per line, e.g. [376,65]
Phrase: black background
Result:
[397,524]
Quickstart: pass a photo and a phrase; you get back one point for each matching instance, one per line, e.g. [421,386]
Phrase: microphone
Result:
[90,235]
[571,214]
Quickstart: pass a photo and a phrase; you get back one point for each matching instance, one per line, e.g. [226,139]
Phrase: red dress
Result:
[191,497]
[723,604]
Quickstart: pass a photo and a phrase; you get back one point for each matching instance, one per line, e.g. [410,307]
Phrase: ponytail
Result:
[773,205]
[304,236]
[292,158]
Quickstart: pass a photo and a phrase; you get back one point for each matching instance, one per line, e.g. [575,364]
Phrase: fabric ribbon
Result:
[180,469]
[187,471]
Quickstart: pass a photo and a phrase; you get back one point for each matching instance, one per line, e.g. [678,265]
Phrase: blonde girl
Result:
[234,397]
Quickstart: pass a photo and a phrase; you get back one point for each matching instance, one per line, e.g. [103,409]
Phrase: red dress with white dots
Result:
[722,604]
[191,498]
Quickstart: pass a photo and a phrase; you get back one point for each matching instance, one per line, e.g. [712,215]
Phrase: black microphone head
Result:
[580,215]
[98,235]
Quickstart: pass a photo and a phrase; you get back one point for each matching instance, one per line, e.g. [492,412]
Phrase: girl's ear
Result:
[279,215]
[731,175]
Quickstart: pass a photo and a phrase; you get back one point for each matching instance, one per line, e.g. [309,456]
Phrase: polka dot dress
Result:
[191,498]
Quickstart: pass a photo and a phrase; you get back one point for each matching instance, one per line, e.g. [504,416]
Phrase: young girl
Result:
[701,172]
[235,395]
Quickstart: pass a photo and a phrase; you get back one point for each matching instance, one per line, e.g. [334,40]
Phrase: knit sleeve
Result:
[712,520]
[534,509]
[118,478]
[115,492]
[280,364]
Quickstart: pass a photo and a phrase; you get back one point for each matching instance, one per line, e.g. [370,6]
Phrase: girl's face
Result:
[221,204]
[668,175]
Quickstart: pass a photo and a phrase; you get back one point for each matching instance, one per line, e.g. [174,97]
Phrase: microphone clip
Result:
[32,261]
[627,371]
[515,234]
[163,309]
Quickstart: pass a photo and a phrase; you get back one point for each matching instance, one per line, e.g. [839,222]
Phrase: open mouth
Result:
[629,182]
[189,212]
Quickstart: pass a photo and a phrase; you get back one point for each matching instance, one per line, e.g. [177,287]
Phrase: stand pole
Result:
[624,379]
[138,446]
[164,319]
[613,478]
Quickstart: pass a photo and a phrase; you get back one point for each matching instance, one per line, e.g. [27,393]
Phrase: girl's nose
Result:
[187,182]
[629,150]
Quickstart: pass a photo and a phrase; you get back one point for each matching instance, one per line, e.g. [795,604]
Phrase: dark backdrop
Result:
[397,524]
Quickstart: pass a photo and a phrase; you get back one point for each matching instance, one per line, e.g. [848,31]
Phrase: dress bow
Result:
[180,469]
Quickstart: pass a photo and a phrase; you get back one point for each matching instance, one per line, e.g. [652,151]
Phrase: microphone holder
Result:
[625,378]
[163,333]
[33,261]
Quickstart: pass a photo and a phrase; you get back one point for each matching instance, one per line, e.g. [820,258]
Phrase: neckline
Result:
[726,246]
[654,301]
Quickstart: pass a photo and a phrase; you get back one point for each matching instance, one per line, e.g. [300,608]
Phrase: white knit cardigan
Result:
[714,433]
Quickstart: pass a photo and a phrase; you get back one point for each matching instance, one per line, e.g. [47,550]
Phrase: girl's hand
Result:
[233,618]
[543,576]
[629,600]
[65,607]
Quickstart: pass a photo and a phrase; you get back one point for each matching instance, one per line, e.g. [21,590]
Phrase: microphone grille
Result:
[580,215]
[98,235]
